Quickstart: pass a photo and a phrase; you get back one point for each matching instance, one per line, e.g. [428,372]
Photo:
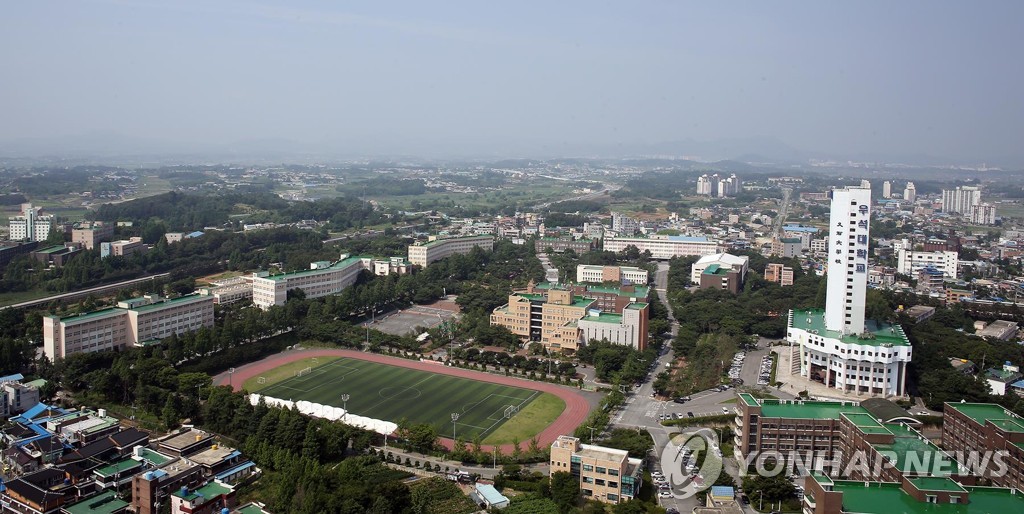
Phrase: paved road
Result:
[85,292]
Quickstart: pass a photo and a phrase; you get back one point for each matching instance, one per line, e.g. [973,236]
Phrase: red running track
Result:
[576,406]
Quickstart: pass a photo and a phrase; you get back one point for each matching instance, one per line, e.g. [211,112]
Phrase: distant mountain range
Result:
[107,147]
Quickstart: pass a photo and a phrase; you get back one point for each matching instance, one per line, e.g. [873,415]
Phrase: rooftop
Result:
[865,422]
[88,316]
[605,317]
[208,492]
[447,239]
[884,498]
[342,264]
[601,452]
[914,453]
[880,333]
[171,302]
[937,484]
[982,412]
[103,503]
[155,458]
[808,410]
[118,467]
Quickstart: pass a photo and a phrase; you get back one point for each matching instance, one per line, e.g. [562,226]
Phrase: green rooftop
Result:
[638,292]
[821,478]
[636,305]
[120,466]
[982,412]
[808,410]
[52,249]
[914,453]
[748,399]
[208,491]
[103,503]
[880,333]
[605,317]
[577,301]
[250,509]
[936,484]
[446,239]
[171,302]
[302,273]
[155,458]
[865,423]
[88,316]
[887,498]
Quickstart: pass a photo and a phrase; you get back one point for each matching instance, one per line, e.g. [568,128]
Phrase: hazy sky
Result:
[940,78]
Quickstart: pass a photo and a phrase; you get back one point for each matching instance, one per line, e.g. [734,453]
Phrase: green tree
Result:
[565,491]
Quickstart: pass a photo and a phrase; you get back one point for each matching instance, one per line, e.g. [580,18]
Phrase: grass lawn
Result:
[393,393]
[533,418]
[284,372]
[22,296]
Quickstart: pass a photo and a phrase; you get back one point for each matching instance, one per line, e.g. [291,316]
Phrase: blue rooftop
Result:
[688,239]
[490,494]
[12,378]
[800,228]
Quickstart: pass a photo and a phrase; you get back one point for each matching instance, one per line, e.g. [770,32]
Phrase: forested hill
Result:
[185,211]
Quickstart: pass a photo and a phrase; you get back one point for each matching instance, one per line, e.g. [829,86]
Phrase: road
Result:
[605,190]
[780,220]
[85,292]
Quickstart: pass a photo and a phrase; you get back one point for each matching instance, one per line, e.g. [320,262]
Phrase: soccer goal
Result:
[261,380]
[511,410]
[303,372]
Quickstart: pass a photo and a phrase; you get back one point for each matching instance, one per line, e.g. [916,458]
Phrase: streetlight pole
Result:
[231,377]
[760,500]
[344,403]
[591,434]
[495,465]
[455,417]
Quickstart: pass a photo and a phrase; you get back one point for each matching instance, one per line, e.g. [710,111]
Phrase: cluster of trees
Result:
[518,362]
[618,364]
[378,186]
[44,182]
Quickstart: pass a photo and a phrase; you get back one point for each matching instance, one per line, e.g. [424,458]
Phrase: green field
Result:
[392,393]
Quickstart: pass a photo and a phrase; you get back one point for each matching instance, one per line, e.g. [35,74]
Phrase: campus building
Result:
[837,346]
[987,427]
[605,474]
[561,244]
[132,322]
[983,214]
[910,262]
[321,279]
[624,225]
[618,274]
[31,225]
[123,248]
[664,247]
[91,233]
[57,255]
[606,298]
[738,263]
[422,254]
[563,318]
[779,274]
[911,495]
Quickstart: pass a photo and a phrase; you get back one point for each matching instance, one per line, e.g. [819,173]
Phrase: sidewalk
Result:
[487,471]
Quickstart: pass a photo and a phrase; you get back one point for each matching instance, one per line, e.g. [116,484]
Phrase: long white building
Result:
[598,274]
[837,346]
[664,247]
[321,279]
[132,322]
[725,260]
[909,261]
[422,254]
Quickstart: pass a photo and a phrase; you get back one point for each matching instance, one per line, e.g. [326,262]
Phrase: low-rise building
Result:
[910,262]
[211,498]
[123,248]
[1000,329]
[716,277]
[561,244]
[422,254]
[605,474]
[920,313]
[986,427]
[787,247]
[911,495]
[930,280]
[726,261]
[90,234]
[1000,379]
[57,255]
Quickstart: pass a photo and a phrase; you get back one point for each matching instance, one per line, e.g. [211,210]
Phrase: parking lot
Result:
[404,322]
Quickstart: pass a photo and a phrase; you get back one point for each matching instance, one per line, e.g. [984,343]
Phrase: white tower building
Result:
[887,189]
[849,224]
[910,192]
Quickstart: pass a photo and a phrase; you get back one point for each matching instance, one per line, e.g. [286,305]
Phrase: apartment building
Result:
[664,247]
[131,322]
[91,233]
[617,274]
[787,247]
[910,262]
[987,427]
[605,474]
[961,200]
[561,244]
[983,214]
[31,225]
[779,274]
[321,279]
[624,225]
[123,248]
[422,254]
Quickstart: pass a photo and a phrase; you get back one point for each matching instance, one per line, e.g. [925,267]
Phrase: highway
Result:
[85,292]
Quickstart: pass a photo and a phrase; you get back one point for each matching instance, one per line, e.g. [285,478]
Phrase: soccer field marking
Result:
[388,398]
[317,371]
[501,419]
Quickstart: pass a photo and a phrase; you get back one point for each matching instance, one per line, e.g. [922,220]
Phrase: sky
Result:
[853,78]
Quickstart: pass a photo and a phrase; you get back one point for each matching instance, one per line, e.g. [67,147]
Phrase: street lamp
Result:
[344,405]
[495,465]
[455,417]
[231,376]
[591,434]
[760,500]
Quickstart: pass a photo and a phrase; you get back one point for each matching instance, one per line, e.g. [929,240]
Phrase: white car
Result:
[665,494]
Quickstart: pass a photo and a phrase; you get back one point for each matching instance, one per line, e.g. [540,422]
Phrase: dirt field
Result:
[404,322]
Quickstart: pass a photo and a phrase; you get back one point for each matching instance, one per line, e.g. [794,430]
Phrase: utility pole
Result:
[455,417]
[344,403]
[591,434]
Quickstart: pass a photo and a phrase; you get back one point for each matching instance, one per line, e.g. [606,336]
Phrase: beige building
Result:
[132,322]
[779,273]
[599,274]
[123,248]
[91,234]
[422,254]
[321,279]
[605,474]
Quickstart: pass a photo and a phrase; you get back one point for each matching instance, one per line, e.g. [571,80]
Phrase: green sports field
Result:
[391,393]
